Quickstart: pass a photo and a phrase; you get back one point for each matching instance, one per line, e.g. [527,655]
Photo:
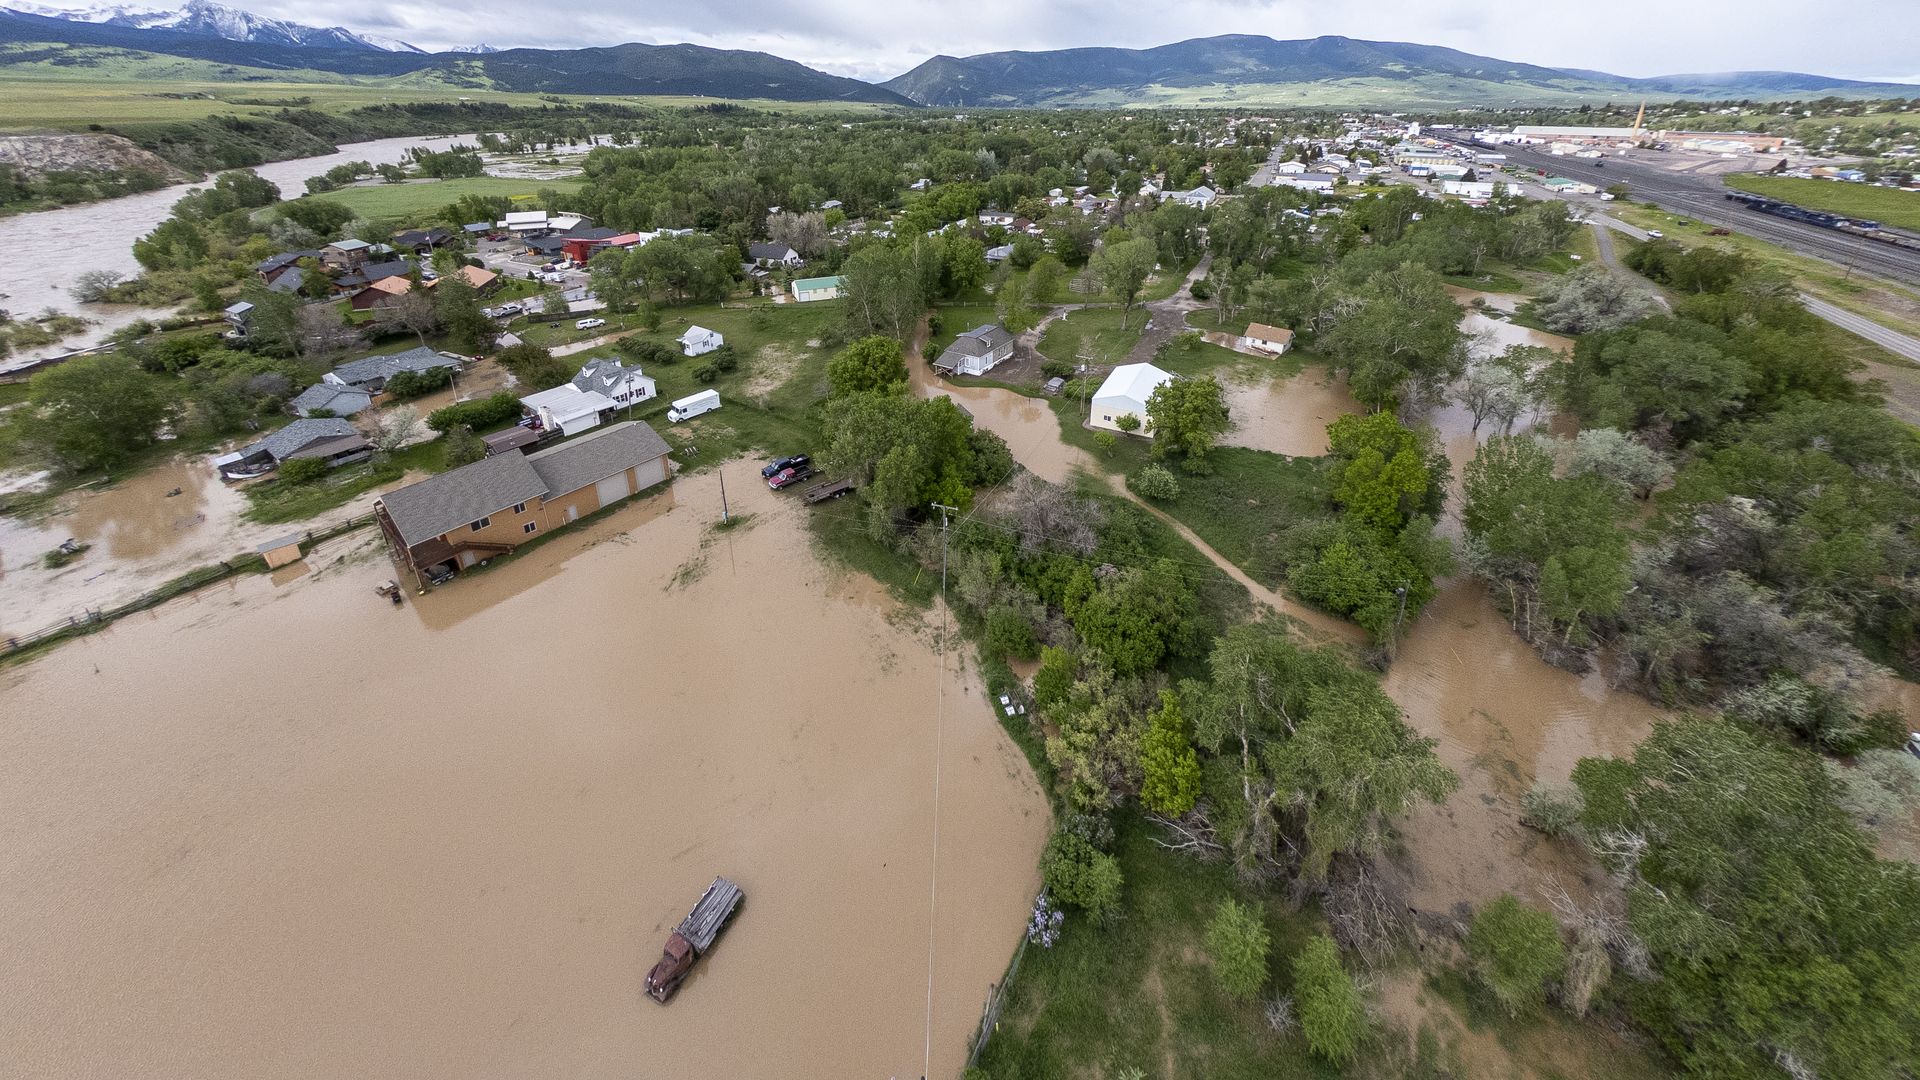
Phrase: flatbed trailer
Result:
[832,489]
[693,938]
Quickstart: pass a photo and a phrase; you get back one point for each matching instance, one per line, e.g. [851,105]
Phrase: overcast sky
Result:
[877,39]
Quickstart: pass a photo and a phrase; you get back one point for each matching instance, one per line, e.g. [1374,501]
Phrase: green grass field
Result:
[424,197]
[1095,331]
[1885,205]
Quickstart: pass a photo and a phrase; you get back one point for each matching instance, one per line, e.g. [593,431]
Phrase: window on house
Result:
[482,523]
[519,508]
[530,526]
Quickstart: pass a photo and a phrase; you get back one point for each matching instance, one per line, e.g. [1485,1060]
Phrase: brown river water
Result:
[288,830]
[100,236]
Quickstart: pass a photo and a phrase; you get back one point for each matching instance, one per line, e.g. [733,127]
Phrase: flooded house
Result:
[332,439]
[452,521]
[976,351]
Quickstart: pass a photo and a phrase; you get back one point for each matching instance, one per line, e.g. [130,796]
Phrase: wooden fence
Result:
[96,618]
[996,1000]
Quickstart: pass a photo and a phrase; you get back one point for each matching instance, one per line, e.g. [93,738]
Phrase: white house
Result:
[991,218]
[699,341]
[1273,339]
[774,255]
[1468,189]
[1289,168]
[807,290]
[601,386]
[1126,392]
[976,351]
[1308,182]
[1199,198]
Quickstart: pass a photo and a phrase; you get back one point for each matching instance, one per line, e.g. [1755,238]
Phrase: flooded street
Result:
[141,537]
[100,236]
[291,831]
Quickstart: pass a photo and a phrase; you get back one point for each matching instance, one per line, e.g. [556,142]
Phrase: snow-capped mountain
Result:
[478,50]
[208,19]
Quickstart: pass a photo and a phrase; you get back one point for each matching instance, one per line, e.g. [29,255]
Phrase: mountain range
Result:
[1226,71]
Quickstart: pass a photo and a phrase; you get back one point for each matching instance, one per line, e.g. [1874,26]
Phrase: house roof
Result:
[769,251]
[477,227]
[299,435]
[240,308]
[1263,332]
[591,458]
[476,276]
[348,245]
[392,286]
[288,280]
[567,401]
[808,284]
[378,271]
[339,400]
[342,444]
[983,339]
[440,504]
[697,333]
[592,232]
[602,374]
[1132,382]
[513,438]
[380,368]
[285,258]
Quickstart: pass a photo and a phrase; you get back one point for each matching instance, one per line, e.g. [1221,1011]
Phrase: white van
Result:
[703,402]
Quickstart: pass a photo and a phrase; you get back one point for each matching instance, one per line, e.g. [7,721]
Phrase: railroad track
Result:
[1704,199]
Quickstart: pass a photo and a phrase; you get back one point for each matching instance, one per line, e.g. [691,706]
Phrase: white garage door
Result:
[613,489]
[651,472]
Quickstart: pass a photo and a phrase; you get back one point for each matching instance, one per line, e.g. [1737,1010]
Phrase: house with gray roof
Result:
[324,398]
[774,255]
[332,439]
[468,515]
[370,373]
[976,351]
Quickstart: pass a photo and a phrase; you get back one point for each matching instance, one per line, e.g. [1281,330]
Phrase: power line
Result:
[939,746]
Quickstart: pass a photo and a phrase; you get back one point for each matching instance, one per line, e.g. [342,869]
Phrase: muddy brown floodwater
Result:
[291,831]
[1288,416]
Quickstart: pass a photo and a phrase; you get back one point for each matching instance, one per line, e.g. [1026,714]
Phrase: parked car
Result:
[589,324]
[1654,234]
[789,477]
[780,464]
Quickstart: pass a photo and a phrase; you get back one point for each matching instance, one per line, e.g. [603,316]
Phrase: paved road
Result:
[1891,340]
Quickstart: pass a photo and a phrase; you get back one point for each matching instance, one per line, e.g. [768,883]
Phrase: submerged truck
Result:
[693,938]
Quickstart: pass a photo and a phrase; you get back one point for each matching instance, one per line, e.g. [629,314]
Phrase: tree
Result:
[1515,951]
[1187,416]
[1075,872]
[94,412]
[612,278]
[1154,482]
[1781,943]
[883,292]
[1589,299]
[1620,460]
[393,427]
[1662,374]
[1123,268]
[463,447]
[1170,769]
[320,332]
[1237,942]
[1502,387]
[412,311]
[1332,1016]
[1395,333]
[457,308]
[94,285]
[1383,471]
[871,364]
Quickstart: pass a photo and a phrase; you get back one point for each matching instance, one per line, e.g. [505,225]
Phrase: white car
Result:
[1654,234]
[589,324]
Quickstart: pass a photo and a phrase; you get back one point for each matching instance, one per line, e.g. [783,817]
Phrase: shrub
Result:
[1056,369]
[1238,941]
[1331,1015]
[1201,290]
[405,385]
[1515,951]
[1155,482]
[1010,634]
[1078,873]
[482,413]
[724,359]
[303,470]
[1127,422]
[707,373]
[1106,441]
[1553,809]
[463,447]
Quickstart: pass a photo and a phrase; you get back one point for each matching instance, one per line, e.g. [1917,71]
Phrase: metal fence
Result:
[95,618]
[996,1000]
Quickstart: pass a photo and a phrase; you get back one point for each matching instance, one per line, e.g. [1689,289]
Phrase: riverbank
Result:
[405,869]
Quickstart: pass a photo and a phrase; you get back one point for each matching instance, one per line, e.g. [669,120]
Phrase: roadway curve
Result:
[1704,197]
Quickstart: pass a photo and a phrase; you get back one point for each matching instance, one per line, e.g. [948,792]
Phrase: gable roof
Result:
[391,286]
[443,503]
[288,280]
[1263,332]
[591,458]
[284,259]
[339,400]
[602,374]
[284,443]
[348,245]
[369,369]
[1134,382]
[378,271]
[697,333]
[770,251]
[982,340]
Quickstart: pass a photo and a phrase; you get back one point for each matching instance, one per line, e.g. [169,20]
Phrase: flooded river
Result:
[291,831]
[100,235]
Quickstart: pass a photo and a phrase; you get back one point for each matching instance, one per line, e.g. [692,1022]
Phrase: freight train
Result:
[1872,230]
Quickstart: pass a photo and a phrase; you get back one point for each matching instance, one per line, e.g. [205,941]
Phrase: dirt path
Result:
[1166,318]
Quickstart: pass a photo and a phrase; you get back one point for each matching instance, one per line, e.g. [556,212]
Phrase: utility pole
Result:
[1086,406]
[944,511]
[723,497]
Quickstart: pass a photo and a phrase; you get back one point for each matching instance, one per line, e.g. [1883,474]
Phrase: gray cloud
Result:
[876,39]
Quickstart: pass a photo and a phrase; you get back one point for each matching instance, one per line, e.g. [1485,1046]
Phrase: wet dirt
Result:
[278,831]
[1288,415]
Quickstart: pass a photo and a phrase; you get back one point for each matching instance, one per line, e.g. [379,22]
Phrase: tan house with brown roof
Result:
[467,515]
[1273,339]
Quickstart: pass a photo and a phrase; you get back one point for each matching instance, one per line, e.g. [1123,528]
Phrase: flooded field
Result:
[291,831]
[1028,424]
[1288,416]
